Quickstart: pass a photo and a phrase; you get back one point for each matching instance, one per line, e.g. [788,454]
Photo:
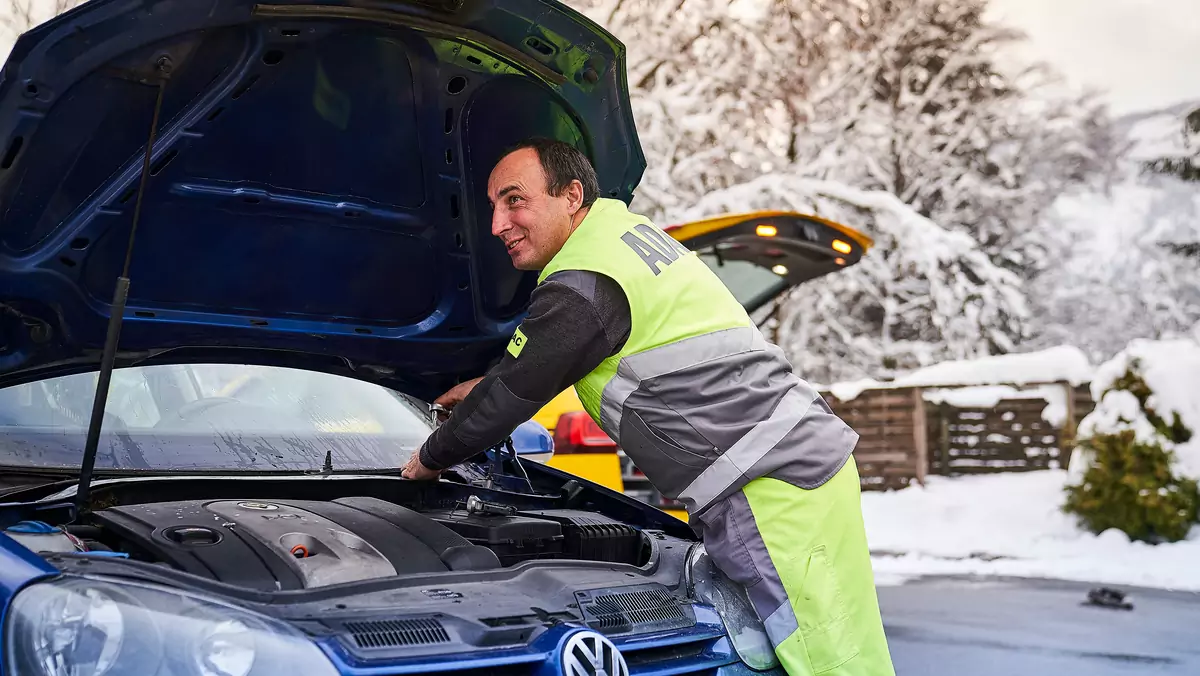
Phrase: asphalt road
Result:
[959,627]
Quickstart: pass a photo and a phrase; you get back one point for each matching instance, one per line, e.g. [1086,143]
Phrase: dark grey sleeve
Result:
[576,320]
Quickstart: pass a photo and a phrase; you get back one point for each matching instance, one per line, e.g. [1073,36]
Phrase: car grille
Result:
[648,608]
[379,634]
[656,658]
[686,658]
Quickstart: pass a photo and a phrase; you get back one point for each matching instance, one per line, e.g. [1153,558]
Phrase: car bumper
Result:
[702,649]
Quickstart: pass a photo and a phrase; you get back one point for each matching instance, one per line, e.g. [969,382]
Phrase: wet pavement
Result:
[959,627]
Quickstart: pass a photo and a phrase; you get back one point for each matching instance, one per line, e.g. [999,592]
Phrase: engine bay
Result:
[270,545]
[293,533]
[286,533]
[491,554]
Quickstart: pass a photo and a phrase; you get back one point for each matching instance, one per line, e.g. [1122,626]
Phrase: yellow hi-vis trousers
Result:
[802,556]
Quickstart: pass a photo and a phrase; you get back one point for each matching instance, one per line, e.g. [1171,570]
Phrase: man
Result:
[668,363]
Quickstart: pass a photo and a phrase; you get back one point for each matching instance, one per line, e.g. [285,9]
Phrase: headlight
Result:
[707,584]
[80,626]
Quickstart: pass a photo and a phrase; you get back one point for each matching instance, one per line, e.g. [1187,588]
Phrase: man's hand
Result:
[414,469]
[457,393]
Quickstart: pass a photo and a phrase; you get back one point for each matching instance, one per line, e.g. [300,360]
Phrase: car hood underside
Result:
[316,192]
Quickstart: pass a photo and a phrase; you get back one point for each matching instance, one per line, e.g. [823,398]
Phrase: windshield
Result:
[212,417]
[750,283]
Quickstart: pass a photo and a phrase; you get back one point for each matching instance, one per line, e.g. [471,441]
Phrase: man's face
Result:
[532,223]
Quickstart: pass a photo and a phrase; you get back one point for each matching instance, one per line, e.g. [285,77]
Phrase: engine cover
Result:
[293,544]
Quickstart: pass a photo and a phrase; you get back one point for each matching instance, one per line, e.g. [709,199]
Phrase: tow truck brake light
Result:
[576,432]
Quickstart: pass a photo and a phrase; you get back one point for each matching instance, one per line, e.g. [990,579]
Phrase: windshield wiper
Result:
[327,469]
[117,313]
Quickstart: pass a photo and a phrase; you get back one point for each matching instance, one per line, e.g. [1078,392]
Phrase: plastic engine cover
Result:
[273,545]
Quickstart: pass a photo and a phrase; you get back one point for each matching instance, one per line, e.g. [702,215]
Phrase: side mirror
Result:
[532,441]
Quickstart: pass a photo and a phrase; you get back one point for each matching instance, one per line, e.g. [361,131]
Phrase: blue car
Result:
[242,246]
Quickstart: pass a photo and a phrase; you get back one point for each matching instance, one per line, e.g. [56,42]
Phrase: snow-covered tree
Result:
[1183,166]
[723,89]
[1122,271]
[1184,163]
[899,97]
[1115,281]
[699,93]
[929,116]
[924,293]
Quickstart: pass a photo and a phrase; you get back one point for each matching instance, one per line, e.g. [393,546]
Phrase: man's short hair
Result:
[562,163]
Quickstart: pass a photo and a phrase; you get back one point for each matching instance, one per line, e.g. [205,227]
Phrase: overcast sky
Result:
[1144,52]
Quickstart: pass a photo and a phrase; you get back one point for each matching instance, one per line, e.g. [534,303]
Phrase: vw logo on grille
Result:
[590,654]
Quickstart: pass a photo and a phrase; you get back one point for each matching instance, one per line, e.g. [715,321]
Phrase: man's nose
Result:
[499,222]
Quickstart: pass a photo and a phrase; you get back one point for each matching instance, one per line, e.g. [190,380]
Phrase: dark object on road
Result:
[1007,627]
[1108,598]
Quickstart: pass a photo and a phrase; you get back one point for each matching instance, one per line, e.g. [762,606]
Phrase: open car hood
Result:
[316,193]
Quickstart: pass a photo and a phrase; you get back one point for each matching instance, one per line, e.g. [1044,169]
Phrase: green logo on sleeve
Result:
[517,343]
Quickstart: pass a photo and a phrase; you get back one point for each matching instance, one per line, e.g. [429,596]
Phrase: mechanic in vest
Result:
[668,363]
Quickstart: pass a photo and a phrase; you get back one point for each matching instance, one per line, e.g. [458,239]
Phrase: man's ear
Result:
[574,196]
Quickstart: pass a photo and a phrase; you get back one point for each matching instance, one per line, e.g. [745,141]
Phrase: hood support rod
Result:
[117,313]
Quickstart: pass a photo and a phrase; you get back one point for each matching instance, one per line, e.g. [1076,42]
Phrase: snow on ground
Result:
[1011,525]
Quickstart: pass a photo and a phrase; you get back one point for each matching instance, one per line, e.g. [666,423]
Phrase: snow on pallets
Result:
[969,417]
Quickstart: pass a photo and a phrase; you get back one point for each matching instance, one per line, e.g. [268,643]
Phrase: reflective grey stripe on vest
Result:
[667,359]
[782,623]
[737,461]
[792,399]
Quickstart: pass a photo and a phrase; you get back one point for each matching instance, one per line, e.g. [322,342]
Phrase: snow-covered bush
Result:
[1138,455]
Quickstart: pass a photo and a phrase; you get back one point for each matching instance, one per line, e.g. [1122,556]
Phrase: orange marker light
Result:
[840,261]
[766,230]
[841,247]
